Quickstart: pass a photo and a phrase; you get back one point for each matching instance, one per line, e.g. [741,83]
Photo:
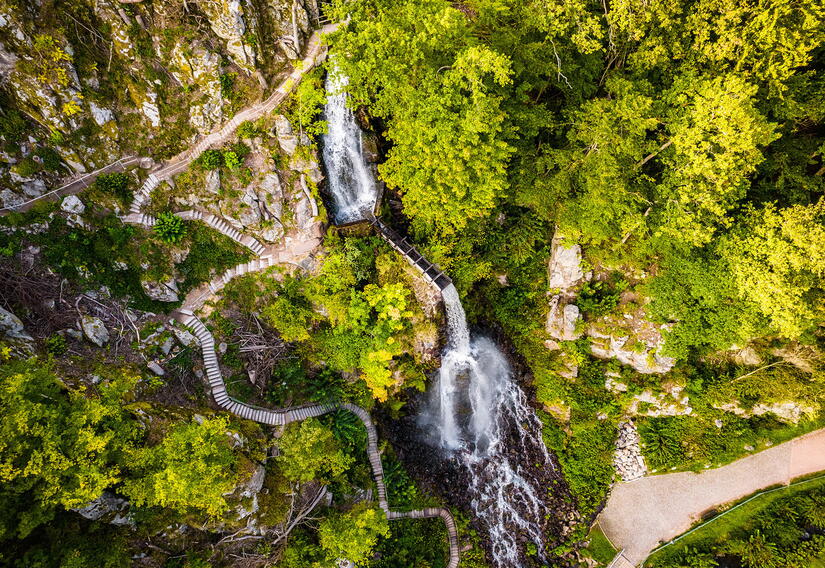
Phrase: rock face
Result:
[286,137]
[226,18]
[628,459]
[644,355]
[672,403]
[562,319]
[94,330]
[107,508]
[788,411]
[564,270]
[14,334]
[161,291]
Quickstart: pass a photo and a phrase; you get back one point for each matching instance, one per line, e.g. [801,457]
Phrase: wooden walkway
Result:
[431,272]
[280,417]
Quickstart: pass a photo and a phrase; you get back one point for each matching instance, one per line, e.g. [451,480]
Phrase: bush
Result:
[231,160]
[51,159]
[27,167]
[247,129]
[116,184]
[169,227]
[56,345]
[210,159]
[598,298]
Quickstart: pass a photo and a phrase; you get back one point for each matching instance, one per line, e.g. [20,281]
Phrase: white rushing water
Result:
[481,416]
[351,182]
[478,410]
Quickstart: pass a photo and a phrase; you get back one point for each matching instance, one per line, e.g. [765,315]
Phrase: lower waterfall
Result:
[478,412]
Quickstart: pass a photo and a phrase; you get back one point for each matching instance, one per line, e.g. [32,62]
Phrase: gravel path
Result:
[654,509]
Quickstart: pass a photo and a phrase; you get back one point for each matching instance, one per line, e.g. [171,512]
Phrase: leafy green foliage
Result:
[190,470]
[117,184]
[57,447]
[354,534]
[598,297]
[210,159]
[169,227]
[310,451]
[304,107]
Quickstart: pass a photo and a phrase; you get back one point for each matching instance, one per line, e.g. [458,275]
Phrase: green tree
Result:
[309,451]
[778,263]
[190,470]
[210,159]
[442,100]
[114,184]
[354,534]
[58,447]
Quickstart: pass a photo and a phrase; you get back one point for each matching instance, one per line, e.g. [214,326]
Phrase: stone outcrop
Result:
[161,291]
[628,459]
[787,411]
[644,355]
[108,508]
[564,271]
[562,320]
[673,402]
[13,334]
[230,22]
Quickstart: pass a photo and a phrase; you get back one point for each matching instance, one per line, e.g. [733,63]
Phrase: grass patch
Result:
[599,548]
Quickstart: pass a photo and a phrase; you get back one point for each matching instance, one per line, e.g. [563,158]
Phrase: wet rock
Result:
[94,330]
[161,291]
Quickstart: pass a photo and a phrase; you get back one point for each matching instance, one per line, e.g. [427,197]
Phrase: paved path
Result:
[657,508]
[75,185]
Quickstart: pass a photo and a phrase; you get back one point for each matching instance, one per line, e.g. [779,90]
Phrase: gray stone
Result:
[627,459]
[562,319]
[213,181]
[161,291]
[184,337]
[156,368]
[12,327]
[100,115]
[286,137]
[94,330]
[72,204]
[107,508]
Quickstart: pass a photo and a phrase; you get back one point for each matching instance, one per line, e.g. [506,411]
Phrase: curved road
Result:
[654,509]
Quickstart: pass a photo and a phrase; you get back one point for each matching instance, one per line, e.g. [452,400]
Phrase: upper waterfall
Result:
[351,181]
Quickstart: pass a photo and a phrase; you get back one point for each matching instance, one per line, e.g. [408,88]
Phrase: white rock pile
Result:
[628,459]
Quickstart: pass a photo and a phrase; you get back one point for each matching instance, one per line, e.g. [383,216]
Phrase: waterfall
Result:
[488,428]
[351,183]
[481,417]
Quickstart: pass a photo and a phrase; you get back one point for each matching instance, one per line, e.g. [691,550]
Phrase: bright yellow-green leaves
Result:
[718,136]
[354,534]
[56,447]
[416,64]
[310,451]
[778,263]
[190,470]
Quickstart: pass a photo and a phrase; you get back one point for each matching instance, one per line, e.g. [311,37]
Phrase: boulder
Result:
[100,115]
[212,182]
[161,291]
[94,330]
[286,137]
[185,338]
[12,327]
[155,367]
[107,508]
[73,205]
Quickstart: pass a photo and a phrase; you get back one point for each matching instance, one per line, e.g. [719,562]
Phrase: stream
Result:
[476,417]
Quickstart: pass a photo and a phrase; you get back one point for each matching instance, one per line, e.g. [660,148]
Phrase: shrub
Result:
[169,227]
[231,160]
[51,159]
[114,184]
[247,129]
[56,345]
[227,84]
[598,298]
[27,167]
[210,159]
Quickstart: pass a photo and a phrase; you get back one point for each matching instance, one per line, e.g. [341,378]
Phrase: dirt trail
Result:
[654,509]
